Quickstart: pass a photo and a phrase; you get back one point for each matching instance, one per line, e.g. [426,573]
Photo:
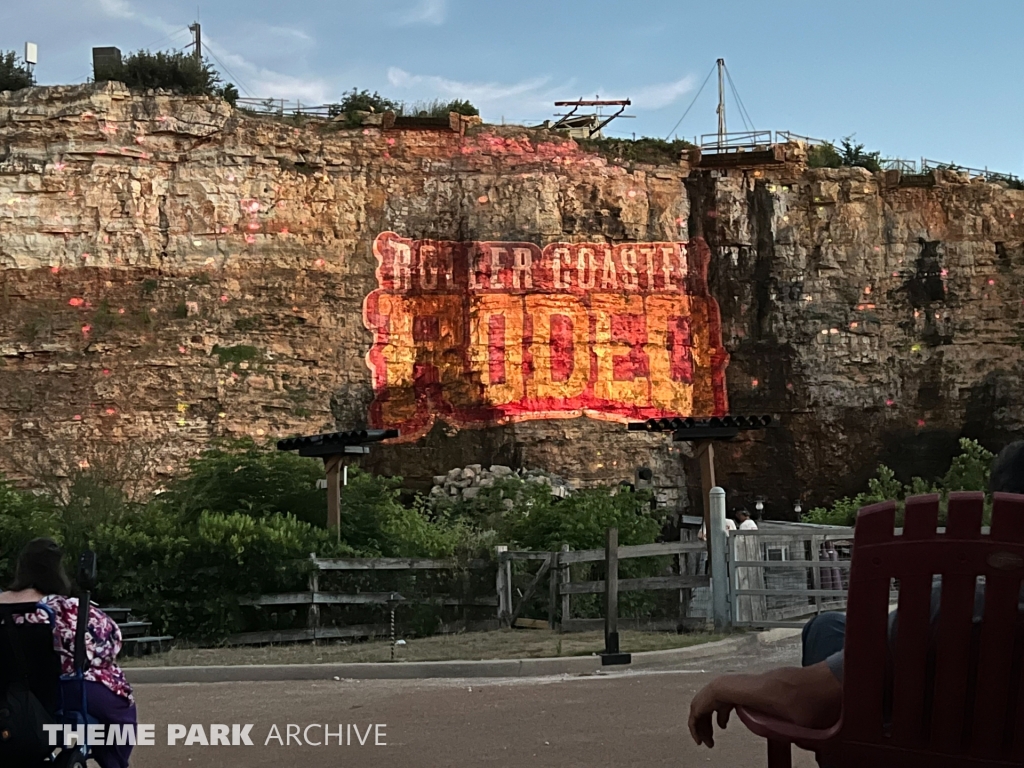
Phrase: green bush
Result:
[968,471]
[240,476]
[187,576]
[642,150]
[176,71]
[355,101]
[14,74]
[438,108]
[849,155]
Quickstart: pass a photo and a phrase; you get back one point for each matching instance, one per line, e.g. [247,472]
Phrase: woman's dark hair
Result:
[40,567]
[1007,473]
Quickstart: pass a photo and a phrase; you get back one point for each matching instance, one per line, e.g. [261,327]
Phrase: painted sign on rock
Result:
[482,333]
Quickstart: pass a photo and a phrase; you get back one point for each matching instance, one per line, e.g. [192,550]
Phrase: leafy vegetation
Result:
[847,155]
[643,150]
[175,71]
[240,353]
[14,74]
[969,471]
[243,519]
[355,101]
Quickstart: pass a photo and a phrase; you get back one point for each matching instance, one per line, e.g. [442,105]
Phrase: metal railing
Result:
[780,579]
[929,165]
[735,142]
[898,164]
[282,107]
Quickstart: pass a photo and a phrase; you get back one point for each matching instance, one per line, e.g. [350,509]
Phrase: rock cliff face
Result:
[172,271]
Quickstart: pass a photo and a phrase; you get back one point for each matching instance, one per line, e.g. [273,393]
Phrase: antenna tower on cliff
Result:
[721,102]
[197,40]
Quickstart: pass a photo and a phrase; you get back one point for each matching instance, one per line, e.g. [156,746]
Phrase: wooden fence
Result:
[555,567]
[314,599]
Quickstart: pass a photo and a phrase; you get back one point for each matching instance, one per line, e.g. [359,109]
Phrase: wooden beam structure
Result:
[333,448]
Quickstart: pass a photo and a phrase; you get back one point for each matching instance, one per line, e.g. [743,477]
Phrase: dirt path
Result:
[623,719]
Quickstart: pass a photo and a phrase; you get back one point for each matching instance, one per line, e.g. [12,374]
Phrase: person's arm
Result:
[808,696]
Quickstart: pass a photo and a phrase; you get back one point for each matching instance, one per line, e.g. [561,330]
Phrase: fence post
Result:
[719,569]
[503,584]
[313,615]
[565,576]
[552,588]
[684,593]
[816,577]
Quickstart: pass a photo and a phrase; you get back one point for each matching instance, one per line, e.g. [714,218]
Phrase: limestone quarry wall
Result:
[172,271]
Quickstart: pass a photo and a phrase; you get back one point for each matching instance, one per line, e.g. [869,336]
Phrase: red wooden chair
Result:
[970,723]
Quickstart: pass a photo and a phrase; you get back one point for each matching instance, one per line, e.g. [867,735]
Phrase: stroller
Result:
[33,691]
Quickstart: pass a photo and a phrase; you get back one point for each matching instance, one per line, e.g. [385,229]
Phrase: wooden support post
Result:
[552,589]
[683,569]
[313,615]
[333,466]
[611,592]
[502,586]
[565,577]
[612,654]
[706,454]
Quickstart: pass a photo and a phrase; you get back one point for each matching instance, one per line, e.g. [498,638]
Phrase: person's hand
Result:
[704,705]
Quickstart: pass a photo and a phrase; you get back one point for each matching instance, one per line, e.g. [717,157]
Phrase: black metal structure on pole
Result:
[714,428]
[333,447]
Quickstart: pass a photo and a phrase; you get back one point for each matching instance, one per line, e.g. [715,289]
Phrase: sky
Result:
[942,79]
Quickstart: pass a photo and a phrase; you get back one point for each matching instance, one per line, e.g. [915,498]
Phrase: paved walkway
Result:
[623,719]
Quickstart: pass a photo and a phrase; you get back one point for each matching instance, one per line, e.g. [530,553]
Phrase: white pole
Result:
[719,569]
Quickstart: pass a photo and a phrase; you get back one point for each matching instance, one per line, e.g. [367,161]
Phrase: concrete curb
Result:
[418,670]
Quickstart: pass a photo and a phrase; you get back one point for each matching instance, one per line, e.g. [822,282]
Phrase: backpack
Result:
[22,715]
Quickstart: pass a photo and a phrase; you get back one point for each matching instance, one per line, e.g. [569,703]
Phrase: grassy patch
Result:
[500,644]
[241,353]
[644,150]
[246,324]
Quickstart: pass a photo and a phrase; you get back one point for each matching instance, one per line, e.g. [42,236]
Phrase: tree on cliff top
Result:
[14,74]
[848,155]
[177,72]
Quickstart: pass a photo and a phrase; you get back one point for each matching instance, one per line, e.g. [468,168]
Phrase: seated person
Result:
[812,695]
[40,578]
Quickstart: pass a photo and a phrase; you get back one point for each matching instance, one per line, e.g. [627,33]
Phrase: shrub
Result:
[178,72]
[438,108]
[14,74]
[187,576]
[364,101]
[242,477]
[968,471]
[824,156]
[849,154]
[642,150]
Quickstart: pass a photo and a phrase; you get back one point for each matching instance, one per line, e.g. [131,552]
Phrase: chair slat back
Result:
[953,640]
[998,628]
[952,688]
[909,664]
[867,622]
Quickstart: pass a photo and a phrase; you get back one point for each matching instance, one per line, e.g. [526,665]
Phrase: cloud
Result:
[662,94]
[258,80]
[264,83]
[483,93]
[431,12]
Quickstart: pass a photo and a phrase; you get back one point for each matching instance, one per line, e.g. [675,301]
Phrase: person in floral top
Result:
[40,578]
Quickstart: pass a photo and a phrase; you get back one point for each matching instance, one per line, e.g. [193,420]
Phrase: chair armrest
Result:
[769,727]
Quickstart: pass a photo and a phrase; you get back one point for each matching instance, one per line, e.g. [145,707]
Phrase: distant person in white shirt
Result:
[702,534]
[746,524]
